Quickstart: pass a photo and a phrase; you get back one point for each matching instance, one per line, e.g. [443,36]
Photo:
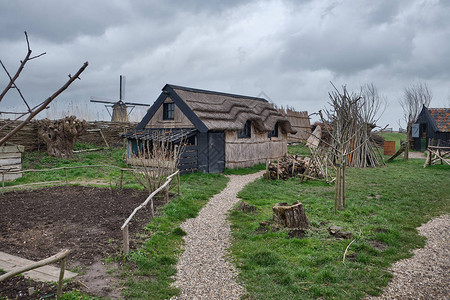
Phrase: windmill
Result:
[119,108]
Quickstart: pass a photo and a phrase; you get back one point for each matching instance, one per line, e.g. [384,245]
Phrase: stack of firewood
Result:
[289,166]
[314,167]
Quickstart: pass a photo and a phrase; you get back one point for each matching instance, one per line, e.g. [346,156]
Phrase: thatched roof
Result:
[222,111]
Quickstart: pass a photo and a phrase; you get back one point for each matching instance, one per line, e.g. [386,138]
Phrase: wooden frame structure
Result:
[436,154]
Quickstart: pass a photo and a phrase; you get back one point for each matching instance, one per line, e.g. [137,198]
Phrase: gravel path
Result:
[203,270]
[426,275]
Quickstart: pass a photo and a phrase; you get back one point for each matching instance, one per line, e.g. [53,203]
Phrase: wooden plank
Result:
[9,262]
[10,161]
[187,167]
[190,148]
[189,154]
[5,155]
[14,148]
[187,160]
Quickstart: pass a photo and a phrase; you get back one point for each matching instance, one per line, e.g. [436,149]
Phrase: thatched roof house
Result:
[225,130]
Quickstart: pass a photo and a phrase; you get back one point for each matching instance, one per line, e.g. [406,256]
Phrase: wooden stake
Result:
[179,182]
[3,182]
[166,194]
[121,179]
[61,278]
[126,241]
[67,179]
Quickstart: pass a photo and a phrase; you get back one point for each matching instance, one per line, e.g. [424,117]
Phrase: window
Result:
[168,111]
[247,131]
[274,133]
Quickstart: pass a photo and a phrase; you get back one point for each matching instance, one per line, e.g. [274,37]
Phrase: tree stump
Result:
[60,135]
[290,216]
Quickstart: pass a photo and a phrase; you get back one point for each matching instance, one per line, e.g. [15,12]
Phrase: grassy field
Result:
[384,207]
[110,176]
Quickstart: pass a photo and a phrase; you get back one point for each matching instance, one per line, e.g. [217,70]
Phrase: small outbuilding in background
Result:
[222,130]
[432,128]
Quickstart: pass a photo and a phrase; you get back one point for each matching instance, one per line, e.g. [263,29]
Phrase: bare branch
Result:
[16,87]
[44,104]
[19,70]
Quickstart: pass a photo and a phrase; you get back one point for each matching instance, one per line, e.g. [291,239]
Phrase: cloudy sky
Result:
[289,50]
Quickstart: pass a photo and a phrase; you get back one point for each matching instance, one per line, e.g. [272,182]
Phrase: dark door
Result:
[216,145]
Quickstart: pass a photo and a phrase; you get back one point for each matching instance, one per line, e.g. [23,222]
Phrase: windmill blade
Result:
[102,100]
[122,87]
[137,104]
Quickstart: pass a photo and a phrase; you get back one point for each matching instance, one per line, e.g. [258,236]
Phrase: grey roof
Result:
[222,111]
[161,135]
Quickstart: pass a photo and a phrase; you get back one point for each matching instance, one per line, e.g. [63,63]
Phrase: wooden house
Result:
[432,126]
[222,130]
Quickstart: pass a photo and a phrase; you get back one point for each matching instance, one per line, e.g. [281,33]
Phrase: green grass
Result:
[41,160]
[148,270]
[394,136]
[299,149]
[384,205]
[245,171]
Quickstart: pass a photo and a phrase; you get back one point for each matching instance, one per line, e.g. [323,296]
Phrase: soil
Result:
[36,224]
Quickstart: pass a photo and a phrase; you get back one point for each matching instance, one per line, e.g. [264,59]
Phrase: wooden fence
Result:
[52,259]
[124,228]
[437,154]
[300,122]
[65,171]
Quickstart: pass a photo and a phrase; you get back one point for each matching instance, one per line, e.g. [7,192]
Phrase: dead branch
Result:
[43,105]
[19,70]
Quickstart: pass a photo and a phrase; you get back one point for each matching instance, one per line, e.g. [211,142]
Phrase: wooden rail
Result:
[437,153]
[52,259]
[124,228]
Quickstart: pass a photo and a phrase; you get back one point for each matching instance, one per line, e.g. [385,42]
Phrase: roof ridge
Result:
[213,92]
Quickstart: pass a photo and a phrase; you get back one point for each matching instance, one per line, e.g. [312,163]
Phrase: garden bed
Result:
[36,224]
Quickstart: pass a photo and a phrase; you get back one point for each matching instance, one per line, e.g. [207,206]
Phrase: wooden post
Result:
[67,179]
[343,187]
[126,241]
[61,278]
[3,181]
[121,178]
[179,182]
[337,186]
[166,194]
[104,139]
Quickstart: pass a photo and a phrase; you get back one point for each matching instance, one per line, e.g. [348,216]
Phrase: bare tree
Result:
[352,117]
[414,98]
[31,112]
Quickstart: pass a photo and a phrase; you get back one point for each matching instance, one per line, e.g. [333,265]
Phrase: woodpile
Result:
[286,167]
[313,167]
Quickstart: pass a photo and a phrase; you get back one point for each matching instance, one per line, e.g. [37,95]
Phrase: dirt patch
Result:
[380,246]
[36,224]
